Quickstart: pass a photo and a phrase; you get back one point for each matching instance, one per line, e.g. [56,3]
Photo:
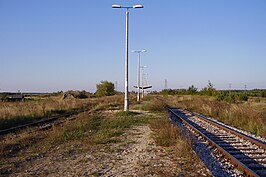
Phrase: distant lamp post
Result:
[126,101]
[143,75]
[138,74]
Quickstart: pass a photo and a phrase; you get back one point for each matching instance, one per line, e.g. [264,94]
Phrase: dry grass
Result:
[93,130]
[169,135]
[154,104]
[250,116]
[17,113]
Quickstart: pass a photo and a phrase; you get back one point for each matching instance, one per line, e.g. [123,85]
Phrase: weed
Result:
[168,135]
[247,116]
[154,105]
[126,113]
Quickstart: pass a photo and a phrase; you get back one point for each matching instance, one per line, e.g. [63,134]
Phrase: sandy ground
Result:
[136,154]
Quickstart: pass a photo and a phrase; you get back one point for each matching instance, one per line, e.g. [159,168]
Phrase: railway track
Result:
[41,122]
[246,153]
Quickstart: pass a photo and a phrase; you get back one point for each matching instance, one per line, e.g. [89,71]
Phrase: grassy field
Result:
[100,127]
[250,115]
[17,113]
[104,123]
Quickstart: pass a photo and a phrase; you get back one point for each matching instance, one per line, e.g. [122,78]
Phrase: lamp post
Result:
[126,100]
[143,75]
[138,75]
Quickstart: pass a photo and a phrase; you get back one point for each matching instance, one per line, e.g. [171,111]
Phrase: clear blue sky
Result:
[53,45]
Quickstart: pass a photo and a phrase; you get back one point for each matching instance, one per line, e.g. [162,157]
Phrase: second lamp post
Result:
[138,75]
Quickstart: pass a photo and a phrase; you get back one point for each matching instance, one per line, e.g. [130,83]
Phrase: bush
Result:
[192,90]
[263,93]
[81,95]
[4,97]
[209,90]
[243,97]
[105,88]
[231,97]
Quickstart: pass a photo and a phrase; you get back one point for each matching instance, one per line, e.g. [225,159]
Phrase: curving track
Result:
[246,153]
[40,122]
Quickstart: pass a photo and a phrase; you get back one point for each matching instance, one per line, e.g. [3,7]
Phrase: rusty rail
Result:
[239,134]
[239,165]
[40,122]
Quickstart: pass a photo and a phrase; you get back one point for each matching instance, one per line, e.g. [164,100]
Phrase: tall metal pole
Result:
[142,95]
[138,97]
[126,101]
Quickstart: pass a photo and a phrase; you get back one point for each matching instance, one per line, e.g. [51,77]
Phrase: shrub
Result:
[209,90]
[263,93]
[105,88]
[192,90]
[243,97]
[231,97]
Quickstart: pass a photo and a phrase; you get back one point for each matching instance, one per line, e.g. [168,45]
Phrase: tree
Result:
[105,88]
[209,90]
[192,89]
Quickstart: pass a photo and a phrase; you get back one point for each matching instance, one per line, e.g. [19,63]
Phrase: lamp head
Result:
[116,6]
[137,6]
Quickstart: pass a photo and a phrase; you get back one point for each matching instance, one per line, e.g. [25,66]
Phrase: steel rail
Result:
[239,165]
[39,122]
[239,134]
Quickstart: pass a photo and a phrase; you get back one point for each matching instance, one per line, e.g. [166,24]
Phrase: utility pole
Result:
[116,85]
[230,85]
[165,84]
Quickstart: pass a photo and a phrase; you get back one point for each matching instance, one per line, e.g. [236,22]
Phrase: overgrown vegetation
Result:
[92,129]
[96,129]
[154,105]
[168,135]
[248,116]
[230,96]
[17,113]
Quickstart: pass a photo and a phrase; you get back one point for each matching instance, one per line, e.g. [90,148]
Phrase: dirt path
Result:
[135,154]
[141,158]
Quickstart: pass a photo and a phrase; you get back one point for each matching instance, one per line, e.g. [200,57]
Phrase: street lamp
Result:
[143,75]
[138,75]
[126,103]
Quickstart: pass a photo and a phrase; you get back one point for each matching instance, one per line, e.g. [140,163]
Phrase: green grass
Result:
[98,129]
[126,113]
[90,129]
